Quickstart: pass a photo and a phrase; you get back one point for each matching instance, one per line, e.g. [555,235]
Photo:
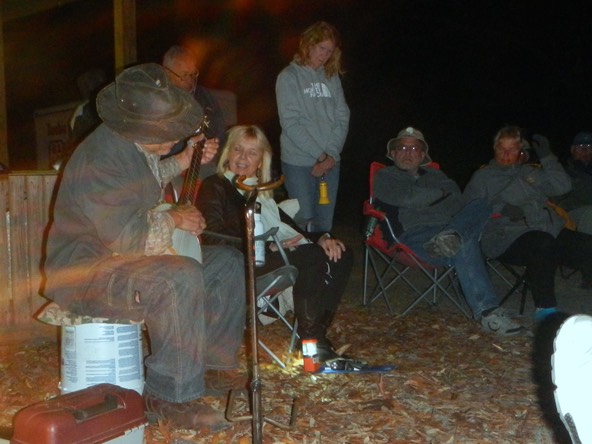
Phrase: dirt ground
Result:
[452,384]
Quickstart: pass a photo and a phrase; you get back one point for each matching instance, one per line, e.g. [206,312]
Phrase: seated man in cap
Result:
[578,202]
[424,208]
[105,248]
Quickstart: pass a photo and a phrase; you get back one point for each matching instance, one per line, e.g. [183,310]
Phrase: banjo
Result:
[185,243]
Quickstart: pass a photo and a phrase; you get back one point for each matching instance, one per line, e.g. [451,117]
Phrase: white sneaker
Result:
[500,323]
[572,371]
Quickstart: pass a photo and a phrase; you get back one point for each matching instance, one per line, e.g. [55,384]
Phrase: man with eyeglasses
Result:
[424,208]
[578,202]
[180,64]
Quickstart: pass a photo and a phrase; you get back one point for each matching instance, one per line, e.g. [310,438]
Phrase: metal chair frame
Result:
[519,283]
[398,260]
[269,286]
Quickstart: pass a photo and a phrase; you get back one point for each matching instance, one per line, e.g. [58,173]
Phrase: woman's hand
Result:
[292,242]
[321,168]
[333,247]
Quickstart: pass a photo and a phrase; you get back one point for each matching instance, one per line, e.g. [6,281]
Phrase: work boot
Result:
[220,382]
[444,244]
[184,415]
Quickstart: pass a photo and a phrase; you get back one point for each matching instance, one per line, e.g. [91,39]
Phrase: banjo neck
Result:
[191,181]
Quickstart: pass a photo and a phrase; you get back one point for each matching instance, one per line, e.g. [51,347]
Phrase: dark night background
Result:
[457,70]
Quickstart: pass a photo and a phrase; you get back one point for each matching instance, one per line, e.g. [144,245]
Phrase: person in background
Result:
[323,262]
[525,229]
[84,118]
[314,119]
[578,202]
[424,207]
[109,249]
[181,67]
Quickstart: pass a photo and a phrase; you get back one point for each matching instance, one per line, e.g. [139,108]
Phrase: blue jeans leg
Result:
[225,306]
[468,262]
[303,186]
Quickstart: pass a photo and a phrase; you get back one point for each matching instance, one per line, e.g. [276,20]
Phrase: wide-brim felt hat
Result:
[143,106]
[405,133]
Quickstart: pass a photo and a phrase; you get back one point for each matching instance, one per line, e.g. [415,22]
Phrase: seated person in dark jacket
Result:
[527,230]
[323,262]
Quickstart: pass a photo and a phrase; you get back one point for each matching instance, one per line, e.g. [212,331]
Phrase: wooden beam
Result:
[124,17]
[3,120]
[14,9]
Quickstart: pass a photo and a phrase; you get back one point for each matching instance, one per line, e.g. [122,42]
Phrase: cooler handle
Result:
[109,404]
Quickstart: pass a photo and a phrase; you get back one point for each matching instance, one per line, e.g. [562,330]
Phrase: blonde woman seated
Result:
[323,262]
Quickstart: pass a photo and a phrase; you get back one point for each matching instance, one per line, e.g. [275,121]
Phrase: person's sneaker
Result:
[444,244]
[220,382]
[500,323]
[571,367]
[540,314]
[193,415]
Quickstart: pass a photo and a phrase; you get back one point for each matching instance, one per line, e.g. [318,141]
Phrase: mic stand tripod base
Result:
[233,406]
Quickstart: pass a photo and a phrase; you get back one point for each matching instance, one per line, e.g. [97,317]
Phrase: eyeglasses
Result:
[583,147]
[502,150]
[190,77]
[415,149]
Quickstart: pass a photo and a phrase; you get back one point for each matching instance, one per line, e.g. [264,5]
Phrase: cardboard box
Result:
[98,414]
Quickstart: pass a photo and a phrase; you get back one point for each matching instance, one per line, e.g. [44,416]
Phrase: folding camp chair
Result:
[390,264]
[268,288]
[515,280]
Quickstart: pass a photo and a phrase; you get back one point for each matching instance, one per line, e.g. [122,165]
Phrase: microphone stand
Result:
[256,417]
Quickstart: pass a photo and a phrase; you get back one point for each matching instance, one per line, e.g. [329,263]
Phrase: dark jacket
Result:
[431,199]
[101,209]
[223,206]
[526,187]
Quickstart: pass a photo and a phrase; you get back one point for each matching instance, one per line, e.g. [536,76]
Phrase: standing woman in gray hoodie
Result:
[314,118]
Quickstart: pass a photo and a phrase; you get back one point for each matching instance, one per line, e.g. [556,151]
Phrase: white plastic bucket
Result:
[97,353]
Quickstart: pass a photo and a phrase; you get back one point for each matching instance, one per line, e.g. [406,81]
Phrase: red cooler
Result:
[97,414]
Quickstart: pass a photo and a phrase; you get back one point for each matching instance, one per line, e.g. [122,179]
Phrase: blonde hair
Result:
[236,135]
[315,34]
[509,132]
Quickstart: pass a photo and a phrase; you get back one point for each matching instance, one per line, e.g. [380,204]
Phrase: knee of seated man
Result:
[182,267]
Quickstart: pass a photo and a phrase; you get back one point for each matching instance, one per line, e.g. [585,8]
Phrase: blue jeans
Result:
[468,262]
[195,315]
[304,186]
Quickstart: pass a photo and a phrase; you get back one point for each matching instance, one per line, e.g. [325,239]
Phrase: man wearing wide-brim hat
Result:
[426,212]
[105,248]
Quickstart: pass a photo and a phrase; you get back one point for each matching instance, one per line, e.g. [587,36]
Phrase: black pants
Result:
[320,283]
[540,252]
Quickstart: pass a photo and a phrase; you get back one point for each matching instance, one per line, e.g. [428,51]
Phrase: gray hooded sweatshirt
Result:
[313,114]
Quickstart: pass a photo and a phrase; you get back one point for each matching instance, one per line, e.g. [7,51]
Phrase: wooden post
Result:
[3,122]
[124,18]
